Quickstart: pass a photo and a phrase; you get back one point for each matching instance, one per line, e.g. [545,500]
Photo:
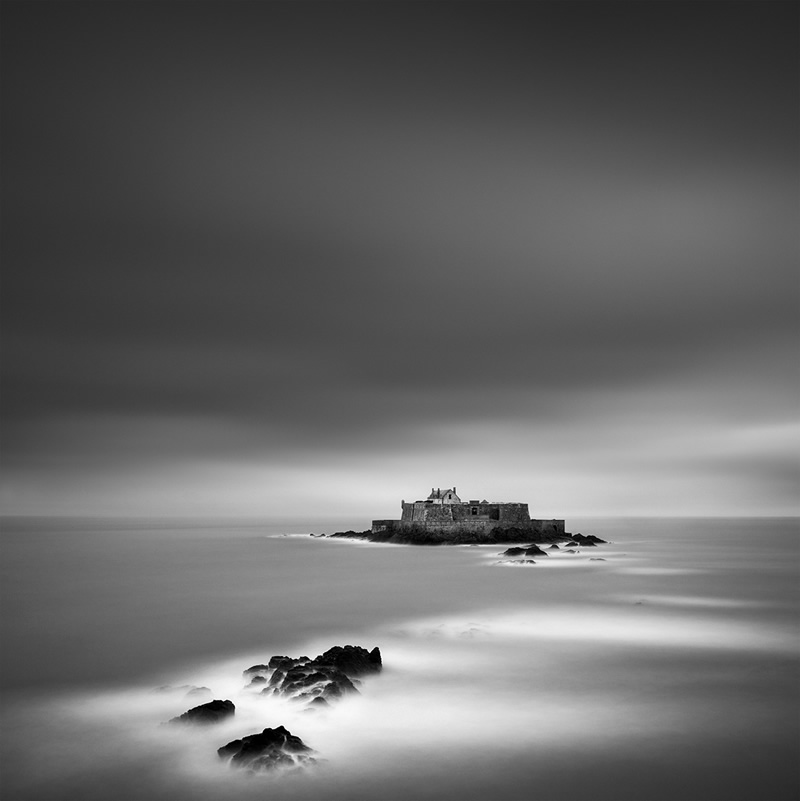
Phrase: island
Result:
[444,519]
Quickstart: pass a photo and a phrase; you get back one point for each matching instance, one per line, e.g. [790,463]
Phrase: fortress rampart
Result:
[445,513]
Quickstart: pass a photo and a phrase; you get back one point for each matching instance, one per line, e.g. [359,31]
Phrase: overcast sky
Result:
[295,259]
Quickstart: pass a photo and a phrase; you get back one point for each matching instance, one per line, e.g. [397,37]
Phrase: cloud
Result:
[274,233]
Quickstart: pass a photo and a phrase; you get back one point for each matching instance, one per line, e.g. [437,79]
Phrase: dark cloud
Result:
[287,226]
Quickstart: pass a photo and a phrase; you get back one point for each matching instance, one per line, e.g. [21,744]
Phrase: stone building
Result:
[444,512]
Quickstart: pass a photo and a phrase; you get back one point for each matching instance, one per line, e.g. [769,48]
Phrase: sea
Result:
[662,666]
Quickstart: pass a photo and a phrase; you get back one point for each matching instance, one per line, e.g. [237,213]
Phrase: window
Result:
[474,510]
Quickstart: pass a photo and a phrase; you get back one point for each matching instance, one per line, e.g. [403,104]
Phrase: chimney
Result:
[454,491]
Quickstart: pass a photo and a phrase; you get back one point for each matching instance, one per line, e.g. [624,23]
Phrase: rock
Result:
[269,750]
[352,660]
[358,535]
[256,669]
[275,662]
[597,559]
[318,701]
[212,712]
[311,681]
[554,547]
[534,550]
[328,676]
[527,550]
[587,539]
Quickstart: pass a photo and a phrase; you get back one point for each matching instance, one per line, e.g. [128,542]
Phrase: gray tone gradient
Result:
[256,255]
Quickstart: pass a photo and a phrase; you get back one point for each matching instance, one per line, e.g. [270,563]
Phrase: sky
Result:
[304,260]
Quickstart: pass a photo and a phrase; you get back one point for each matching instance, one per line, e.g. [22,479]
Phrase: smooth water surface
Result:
[661,666]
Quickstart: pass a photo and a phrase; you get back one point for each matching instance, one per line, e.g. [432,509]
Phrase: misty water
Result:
[663,665]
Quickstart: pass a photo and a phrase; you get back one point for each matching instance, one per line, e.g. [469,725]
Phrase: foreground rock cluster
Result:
[316,682]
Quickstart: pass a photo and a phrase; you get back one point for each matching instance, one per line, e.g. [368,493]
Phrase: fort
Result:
[444,515]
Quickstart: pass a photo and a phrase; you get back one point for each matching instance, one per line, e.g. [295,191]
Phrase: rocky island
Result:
[444,519]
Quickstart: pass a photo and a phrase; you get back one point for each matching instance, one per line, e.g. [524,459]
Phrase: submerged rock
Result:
[527,550]
[205,714]
[534,550]
[198,691]
[268,750]
[587,539]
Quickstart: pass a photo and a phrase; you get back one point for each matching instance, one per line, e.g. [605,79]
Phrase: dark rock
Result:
[258,680]
[282,662]
[587,539]
[256,669]
[554,547]
[358,535]
[271,749]
[212,712]
[527,550]
[328,676]
[534,550]
[597,559]
[353,660]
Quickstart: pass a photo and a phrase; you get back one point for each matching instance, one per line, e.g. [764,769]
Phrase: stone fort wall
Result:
[477,527]
[434,514]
